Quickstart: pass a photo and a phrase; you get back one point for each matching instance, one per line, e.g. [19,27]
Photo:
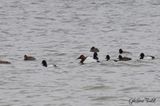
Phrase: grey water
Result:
[61,30]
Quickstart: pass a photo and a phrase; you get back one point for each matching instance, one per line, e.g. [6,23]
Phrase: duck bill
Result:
[78,58]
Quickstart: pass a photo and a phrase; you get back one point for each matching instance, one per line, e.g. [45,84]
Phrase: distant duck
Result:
[4,62]
[44,63]
[95,56]
[123,52]
[85,59]
[93,49]
[30,58]
[142,56]
[123,58]
[107,57]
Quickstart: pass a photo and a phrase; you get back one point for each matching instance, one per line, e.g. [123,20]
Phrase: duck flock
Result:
[87,59]
[30,58]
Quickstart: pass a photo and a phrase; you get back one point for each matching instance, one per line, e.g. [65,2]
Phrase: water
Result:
[59,31]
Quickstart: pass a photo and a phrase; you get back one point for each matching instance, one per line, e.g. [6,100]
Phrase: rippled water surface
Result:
[59,31]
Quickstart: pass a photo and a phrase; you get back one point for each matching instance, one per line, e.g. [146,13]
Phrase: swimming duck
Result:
[4,62]
[123,58]
[121,52]
[29,58]
[85,59]
[44,63]
[109,58]
[142,56]
[95,56]
[93,49]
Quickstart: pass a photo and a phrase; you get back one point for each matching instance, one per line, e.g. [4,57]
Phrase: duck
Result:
[108,58]
[30,58]
[123,52]
[123,58]
[4,62]
[94,49]
[85,59]
[95,56]
[148,57]
[44,63]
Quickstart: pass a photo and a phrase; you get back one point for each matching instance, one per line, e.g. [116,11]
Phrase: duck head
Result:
[120,51]
[93,49]
[82,57]
[142,55]
[25,57]
[44,63]
[107,57]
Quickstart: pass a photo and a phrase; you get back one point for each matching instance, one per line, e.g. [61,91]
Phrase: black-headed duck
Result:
[123,52]
[93,49]
[148,57]
[44,63]
[95,56]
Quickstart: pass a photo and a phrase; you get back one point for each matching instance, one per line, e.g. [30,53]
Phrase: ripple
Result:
[129,89]
[44,18]
[154,2]
[104,98]
[100,87]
